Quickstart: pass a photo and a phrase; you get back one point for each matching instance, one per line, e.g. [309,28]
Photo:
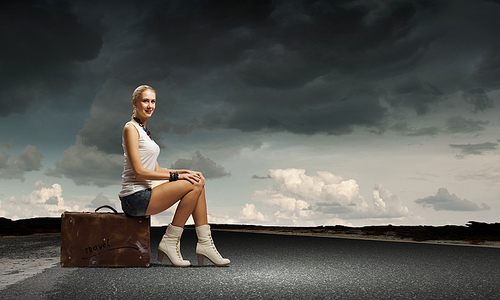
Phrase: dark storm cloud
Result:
[112,108]
[109,112]
[444,201]
[86,165]
[207,34]
[335,208]
[417,95]
[475,149]
[12,167]
[404,129]
[261,177]
[305,67]
[460,124]
[318,66]
[99,200]
[310,110]
[52,201]
[40,54]
[202,164]
[97,156]
[488,70]
[9,145]
[453,125]
[478,98]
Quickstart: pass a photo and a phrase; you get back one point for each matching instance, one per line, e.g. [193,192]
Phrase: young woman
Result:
[140,199]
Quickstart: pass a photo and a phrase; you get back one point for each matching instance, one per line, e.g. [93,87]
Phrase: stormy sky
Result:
[298,112]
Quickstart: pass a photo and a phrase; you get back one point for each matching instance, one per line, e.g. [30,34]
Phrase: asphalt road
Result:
[266,266]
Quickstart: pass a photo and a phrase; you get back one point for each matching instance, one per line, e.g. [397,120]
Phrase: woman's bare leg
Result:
[205,246]
[167,194]
[200,210]
[185,209]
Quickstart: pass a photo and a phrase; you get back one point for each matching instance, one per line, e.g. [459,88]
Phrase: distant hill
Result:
[473,232]
[29,226]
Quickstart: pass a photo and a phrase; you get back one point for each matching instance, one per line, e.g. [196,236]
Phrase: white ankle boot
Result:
[170,245]
[206,247]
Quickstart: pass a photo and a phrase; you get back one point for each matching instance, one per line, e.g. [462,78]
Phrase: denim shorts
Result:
[136,205]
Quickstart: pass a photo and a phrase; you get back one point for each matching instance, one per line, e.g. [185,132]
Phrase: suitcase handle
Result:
[106,206]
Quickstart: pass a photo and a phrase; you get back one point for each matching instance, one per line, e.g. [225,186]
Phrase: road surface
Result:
[265,266]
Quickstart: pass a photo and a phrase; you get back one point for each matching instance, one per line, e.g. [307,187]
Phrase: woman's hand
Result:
[192,176]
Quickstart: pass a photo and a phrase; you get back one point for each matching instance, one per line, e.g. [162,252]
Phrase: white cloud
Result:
[165,218]
[41,202]
[160,220]
[221,219]
[300,199]
[387,204]
[249,213]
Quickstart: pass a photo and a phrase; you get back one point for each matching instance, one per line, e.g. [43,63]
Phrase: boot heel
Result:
[200,259]
[160,255]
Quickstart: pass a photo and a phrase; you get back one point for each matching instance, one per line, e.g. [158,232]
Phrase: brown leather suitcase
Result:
[104,240]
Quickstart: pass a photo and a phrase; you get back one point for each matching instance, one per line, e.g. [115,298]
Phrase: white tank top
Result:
[149,151]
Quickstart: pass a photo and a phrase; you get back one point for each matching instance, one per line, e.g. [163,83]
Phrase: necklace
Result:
[143,127]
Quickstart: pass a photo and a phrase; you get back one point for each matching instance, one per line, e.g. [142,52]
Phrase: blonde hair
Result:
[137,95]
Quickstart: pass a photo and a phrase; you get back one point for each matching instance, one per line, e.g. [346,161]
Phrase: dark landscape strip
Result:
[472,232]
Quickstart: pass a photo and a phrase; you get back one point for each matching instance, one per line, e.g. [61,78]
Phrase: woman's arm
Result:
[131,140]
[189,175]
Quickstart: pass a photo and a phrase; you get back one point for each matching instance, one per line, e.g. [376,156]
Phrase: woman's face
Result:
[145,105]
